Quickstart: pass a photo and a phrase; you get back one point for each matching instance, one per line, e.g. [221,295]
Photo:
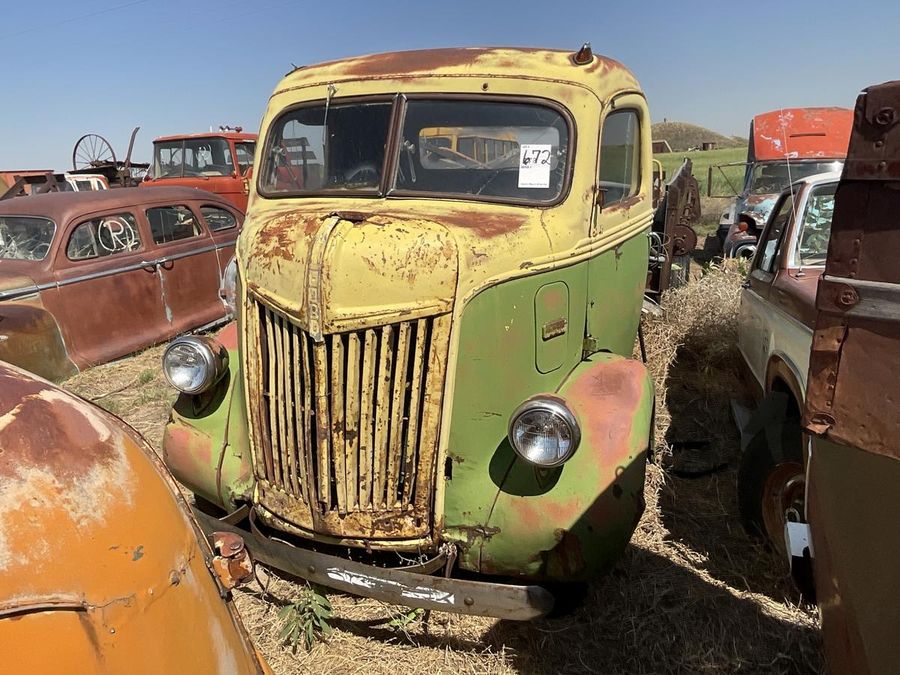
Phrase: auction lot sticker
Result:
[534,165]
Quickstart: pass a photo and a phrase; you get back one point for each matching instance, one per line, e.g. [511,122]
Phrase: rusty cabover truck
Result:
[102,567]
[851,413]
[438,291]
[219,162]
[786,145]
[87,277]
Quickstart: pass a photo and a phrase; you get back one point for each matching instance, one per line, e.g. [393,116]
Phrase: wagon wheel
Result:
[92,151]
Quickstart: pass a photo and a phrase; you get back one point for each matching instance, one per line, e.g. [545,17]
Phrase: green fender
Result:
[206,444]
[572,522]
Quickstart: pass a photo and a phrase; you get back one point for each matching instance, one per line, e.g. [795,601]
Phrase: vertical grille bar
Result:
[299,426]
[308,444]
[323,435]
[398,398]
[366,405]
[351,423]
[431,408]
[338,451]
[275,468]
[415,404]
[263,430]
[281,400]
[289,460]
[382,415]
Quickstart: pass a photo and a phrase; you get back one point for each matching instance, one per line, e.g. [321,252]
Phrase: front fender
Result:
[30,338]
[573,522]
[206,444]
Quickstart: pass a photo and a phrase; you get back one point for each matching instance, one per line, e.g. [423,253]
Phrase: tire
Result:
[769,476]
[568,597]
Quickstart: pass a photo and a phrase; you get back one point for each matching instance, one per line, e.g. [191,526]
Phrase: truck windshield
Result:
[773,177]
[192,157]
[25,237]
[510,151]
[319,148]
[502,151]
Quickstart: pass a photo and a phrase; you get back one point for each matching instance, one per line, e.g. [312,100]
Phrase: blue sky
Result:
[105,66]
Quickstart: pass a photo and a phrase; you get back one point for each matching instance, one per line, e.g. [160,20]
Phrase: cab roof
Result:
[61,207]
[230,135]
[801,133]
[540,64]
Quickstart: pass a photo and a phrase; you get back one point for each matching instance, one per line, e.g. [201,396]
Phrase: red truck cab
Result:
[219,162]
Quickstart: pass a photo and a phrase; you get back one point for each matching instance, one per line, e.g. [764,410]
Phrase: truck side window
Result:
[768,249]
[620,156]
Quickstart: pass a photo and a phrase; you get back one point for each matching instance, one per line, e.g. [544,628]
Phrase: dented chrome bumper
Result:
[395,586]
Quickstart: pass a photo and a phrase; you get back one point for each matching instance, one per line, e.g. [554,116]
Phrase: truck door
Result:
[755,314]
[853,402]
[616,278]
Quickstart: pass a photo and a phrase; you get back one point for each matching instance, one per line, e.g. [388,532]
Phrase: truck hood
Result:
[341,271]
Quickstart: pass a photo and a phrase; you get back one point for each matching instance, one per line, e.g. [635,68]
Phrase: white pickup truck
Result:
[776,321]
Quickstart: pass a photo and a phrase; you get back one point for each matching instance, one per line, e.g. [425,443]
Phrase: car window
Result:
[107,235]
[172,223]
[218,219]
[620,156]
[768,248]
[815,229]
[25,237]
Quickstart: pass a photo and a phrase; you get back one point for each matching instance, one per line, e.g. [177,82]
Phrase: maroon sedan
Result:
[87,277]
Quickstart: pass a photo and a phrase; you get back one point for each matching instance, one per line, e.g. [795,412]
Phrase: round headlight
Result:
[544,432]
[228,291]
[192,364]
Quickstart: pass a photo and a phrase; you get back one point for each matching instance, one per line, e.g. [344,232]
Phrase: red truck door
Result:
[853,402]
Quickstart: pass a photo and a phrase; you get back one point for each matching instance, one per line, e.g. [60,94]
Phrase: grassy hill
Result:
[682,136]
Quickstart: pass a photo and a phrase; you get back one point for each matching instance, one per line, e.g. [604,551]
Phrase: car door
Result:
[853,402]
[108,296]
[188,266]
[755,320]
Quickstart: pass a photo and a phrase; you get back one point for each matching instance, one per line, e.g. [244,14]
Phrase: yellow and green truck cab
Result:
[437,290]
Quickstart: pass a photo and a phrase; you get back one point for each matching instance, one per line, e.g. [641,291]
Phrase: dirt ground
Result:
[693,592]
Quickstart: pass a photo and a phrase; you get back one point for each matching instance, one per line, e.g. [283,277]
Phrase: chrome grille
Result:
[349,425]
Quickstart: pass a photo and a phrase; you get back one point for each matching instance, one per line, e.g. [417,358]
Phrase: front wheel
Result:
[772,484]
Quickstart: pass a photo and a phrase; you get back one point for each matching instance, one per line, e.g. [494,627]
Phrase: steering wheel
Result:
[364,173]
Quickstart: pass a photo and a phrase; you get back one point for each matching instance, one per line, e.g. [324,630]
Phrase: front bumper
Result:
[394,586]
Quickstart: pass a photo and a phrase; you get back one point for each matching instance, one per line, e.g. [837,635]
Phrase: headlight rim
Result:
[215,358]
[556,406]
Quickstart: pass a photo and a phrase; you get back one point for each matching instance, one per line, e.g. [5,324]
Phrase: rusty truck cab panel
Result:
[454,260]
[851,401]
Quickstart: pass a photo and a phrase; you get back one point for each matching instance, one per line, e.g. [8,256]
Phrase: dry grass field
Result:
[693,593]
